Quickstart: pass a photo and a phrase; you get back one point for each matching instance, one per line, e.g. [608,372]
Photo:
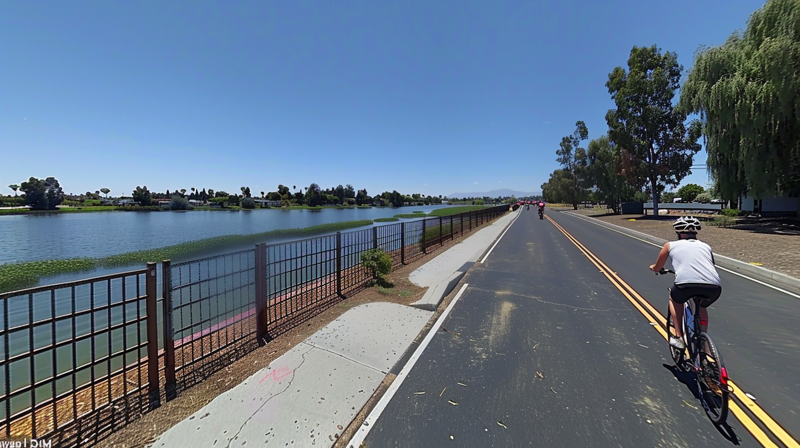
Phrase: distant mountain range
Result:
[505,192]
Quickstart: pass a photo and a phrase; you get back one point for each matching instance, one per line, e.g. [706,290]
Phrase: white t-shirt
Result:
[693,262]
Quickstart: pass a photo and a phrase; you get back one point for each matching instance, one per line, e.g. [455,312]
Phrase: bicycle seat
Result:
[702,301]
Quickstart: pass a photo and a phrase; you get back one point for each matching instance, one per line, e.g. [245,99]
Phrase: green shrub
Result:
[178,203]
[704,198]
[378,262]
[248,203]
[12,201]
[730,212]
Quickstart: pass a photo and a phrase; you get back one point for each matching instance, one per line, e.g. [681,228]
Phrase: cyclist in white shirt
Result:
[695,274]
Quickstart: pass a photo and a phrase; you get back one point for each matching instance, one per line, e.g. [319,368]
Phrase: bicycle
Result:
[704,359]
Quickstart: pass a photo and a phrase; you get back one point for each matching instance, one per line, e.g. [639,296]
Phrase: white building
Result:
[771,205]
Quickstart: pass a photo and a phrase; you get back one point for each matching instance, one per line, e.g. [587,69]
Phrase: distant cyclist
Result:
[695,274]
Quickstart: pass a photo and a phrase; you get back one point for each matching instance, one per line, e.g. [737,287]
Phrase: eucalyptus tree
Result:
[746,93]
[573,160]
[559,188]
[647,124]
[605,170]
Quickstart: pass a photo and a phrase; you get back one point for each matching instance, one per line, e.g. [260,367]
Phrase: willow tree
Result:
[747,93]
[646,123]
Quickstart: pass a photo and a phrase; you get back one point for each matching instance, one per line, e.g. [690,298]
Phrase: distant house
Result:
[267,203]
[771,205]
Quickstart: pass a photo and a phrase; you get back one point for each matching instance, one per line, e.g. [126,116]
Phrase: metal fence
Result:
[79,358]
[82,359]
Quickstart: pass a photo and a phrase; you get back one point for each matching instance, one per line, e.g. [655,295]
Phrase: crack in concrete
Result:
[539,299]
[303,355]
[345,357]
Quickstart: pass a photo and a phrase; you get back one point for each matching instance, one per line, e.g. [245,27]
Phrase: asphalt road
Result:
[541,349]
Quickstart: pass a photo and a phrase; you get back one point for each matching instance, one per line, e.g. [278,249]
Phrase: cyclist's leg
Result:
[676,309]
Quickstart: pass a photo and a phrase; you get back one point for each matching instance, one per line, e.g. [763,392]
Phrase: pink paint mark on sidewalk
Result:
[277,374]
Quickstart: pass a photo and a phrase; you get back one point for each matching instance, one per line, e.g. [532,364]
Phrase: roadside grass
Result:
[21,275]
[722,221]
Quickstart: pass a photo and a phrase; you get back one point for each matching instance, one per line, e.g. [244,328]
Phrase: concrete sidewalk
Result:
[310,394]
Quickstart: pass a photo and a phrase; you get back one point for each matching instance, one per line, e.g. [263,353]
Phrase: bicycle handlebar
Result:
[665,271]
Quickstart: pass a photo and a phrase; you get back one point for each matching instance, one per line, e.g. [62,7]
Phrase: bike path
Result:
[541,350]
[754,326]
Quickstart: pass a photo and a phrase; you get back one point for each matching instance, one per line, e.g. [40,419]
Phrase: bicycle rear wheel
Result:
[712,379]
[678,356]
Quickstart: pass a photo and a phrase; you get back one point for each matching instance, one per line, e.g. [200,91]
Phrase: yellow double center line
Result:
[652,314]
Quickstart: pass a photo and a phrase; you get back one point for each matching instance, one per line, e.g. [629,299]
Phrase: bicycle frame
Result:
[691,336]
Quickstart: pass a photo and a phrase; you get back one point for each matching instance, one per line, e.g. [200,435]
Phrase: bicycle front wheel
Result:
[712,379]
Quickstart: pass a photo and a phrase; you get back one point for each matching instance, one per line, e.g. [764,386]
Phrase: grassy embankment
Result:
[21,275]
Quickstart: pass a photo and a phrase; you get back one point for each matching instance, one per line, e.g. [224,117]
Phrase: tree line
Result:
[745,95]
[47,194]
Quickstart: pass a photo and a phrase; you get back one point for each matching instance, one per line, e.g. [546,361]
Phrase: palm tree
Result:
[14,187]
[262,195]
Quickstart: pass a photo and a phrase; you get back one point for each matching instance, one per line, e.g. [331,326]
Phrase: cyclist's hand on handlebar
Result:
[653,267]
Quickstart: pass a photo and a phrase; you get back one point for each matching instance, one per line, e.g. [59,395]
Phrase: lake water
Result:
[71,235]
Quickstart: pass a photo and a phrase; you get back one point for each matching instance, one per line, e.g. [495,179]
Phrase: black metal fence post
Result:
[402,243]
[375,237]
[441,239]
[339,264]
[424,249]
[151,306]
[452,229]
[169,343]
[261,294]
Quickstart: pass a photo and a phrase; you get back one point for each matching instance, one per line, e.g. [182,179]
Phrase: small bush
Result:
[178,203]
[248,203]
[378,262]
[730,212]
[704,198]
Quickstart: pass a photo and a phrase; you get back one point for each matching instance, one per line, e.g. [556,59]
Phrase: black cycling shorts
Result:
[685,291]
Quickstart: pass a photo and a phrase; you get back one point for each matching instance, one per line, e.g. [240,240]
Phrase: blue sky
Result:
[419,96]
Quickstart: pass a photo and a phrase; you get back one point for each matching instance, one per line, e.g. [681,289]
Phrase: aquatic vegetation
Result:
[22,275]
[455,210]
[410,215]
[432,234]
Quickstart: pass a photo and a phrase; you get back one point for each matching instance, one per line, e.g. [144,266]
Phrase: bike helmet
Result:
[686,224]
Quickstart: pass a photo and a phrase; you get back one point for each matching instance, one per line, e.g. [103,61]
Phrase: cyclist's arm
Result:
[662,258]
